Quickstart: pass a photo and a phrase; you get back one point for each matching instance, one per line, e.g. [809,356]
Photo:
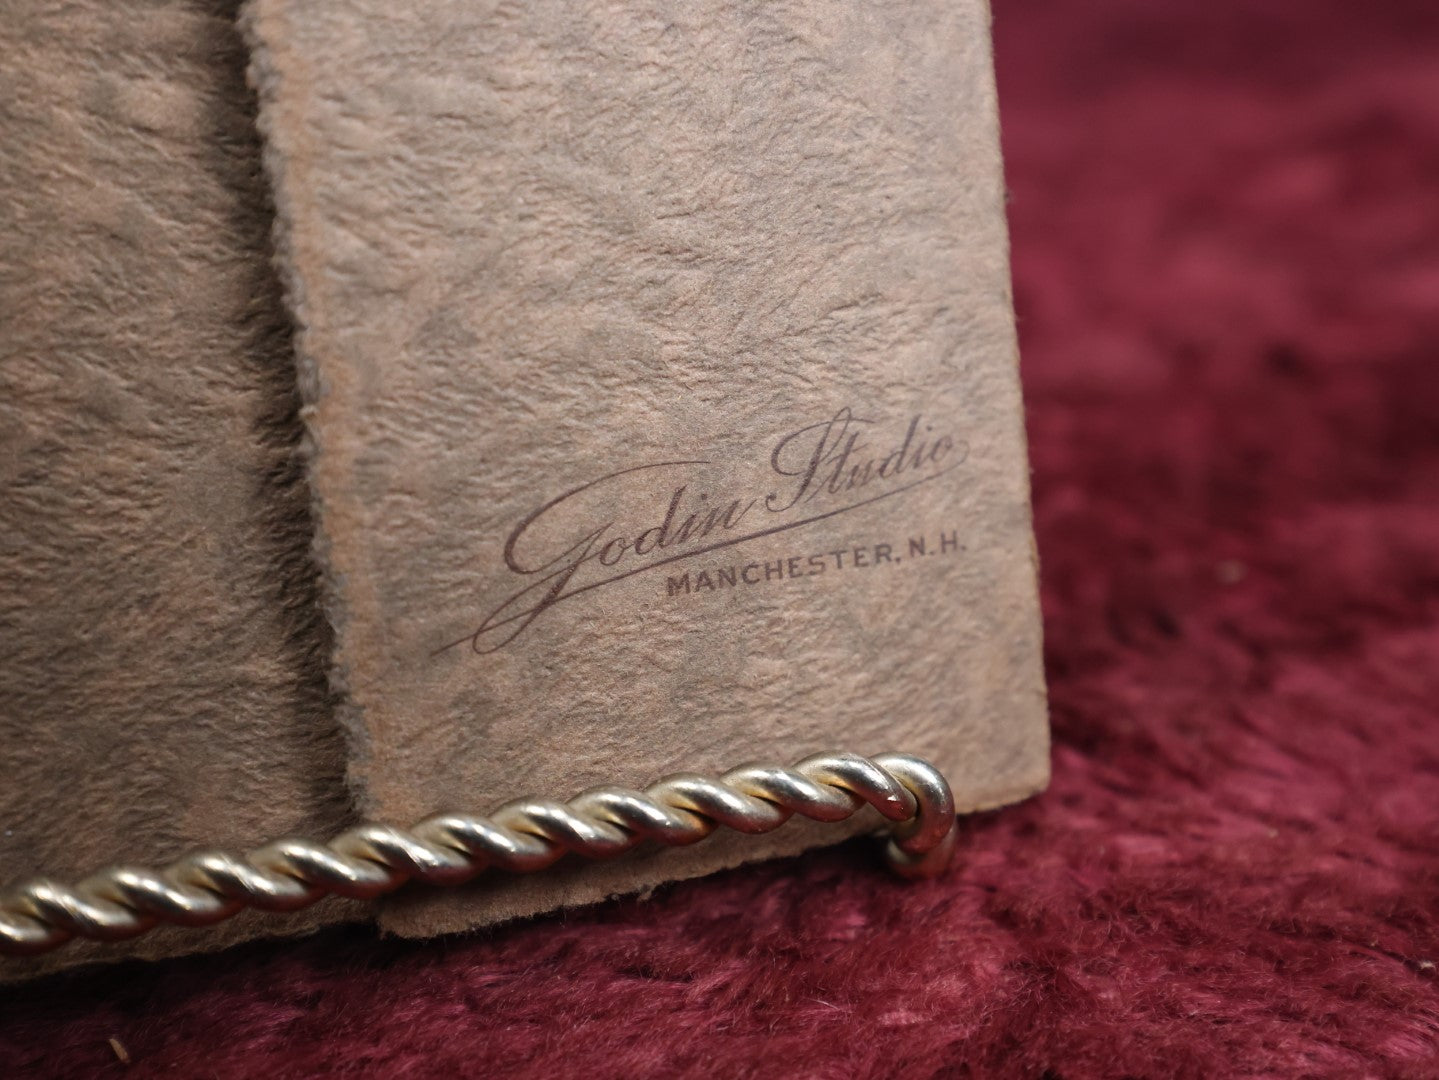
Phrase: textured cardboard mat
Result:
[162,656]
[660,371]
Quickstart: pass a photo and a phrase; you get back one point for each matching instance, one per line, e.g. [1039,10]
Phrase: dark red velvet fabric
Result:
[1226,235]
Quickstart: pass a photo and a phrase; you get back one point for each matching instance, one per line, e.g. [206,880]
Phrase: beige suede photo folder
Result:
[411,408]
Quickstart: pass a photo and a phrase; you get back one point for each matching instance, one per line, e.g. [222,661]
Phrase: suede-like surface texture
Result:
[1225,244]
[162,653]
[626,251]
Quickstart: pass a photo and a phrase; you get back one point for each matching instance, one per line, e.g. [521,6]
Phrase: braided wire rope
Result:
[523,836]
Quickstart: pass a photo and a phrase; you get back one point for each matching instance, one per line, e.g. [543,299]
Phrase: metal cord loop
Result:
[522,836]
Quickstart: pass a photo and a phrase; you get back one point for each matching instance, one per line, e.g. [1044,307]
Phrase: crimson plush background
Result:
[1226,236]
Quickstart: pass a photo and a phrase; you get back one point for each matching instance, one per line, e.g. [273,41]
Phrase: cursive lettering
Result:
[566,547]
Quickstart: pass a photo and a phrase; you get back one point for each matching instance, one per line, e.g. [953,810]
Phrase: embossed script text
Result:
[646,516]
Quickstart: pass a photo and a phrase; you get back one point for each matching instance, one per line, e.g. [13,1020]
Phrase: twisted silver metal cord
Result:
[523,836]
